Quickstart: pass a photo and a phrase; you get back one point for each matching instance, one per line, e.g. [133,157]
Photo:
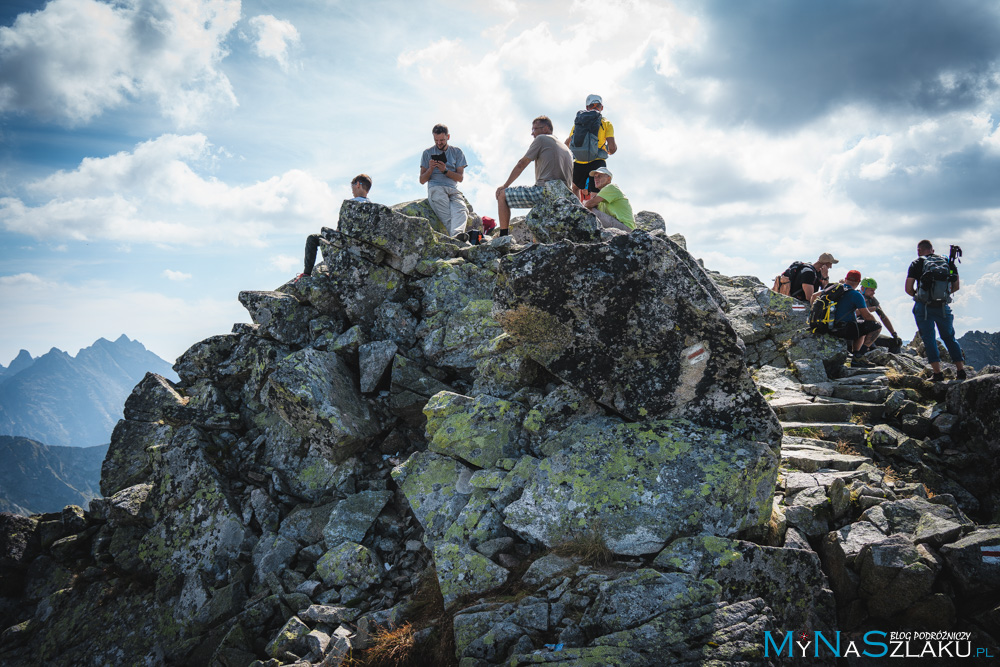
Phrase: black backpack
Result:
[935,281]
[584,142]
[821,314]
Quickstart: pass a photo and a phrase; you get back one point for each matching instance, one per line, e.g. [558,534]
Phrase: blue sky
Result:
[159,156]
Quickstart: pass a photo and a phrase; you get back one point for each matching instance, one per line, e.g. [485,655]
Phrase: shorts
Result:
[526,196]
[854,330]
[581,172]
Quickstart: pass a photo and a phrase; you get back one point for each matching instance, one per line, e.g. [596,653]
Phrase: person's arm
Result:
[885,320]
[426,173]
[593,202]
[865,314]
[955,285]
[807,291]
[515,172]
[458,175]
[909,287]
[610,145]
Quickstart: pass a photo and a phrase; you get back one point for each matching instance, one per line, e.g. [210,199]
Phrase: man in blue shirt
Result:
[853,320]
[442,168]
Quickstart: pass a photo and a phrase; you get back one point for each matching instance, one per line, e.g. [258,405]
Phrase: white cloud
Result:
[176,275]
[285,263]
[272,38]
[975,305]
[74,59]
[155,195]
[165,325]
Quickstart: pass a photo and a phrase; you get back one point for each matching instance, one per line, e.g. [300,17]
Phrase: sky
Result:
[159,156]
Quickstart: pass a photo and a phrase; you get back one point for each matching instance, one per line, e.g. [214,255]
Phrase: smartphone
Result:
[440,157]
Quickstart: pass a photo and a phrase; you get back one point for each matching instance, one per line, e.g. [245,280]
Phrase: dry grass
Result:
[858,419]
[535,328]
[391,648]
[805,432]
[845,447]
[589,547]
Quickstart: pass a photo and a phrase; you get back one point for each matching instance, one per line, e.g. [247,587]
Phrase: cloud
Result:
[74,59]
[271,38]
[176,275]
[783,63]
[285,263]
[154,194]
[974,305]
[163,324]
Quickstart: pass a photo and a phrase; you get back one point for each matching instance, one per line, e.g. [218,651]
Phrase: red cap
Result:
[854,276]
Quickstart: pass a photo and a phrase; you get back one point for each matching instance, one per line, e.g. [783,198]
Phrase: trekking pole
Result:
[955,255]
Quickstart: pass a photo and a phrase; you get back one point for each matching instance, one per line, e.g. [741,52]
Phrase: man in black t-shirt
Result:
[811,278]
[929,315]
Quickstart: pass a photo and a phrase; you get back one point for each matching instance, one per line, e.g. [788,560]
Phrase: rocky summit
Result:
[585,450]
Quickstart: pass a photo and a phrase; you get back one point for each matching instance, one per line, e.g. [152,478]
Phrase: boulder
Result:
[479,431]
[893,576]
[278,316]
[639,486]
[406,241]
[437,489]
[630,325]
[462,572]
[560,218]
[316,394]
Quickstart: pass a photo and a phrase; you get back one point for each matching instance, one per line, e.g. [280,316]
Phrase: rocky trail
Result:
[581,452]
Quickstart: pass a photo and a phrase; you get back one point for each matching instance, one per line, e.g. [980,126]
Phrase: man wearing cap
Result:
[929,315]
[553,174]
[441,168]
[610,206]
[853,321]
[812,277]
[868,287]
[587,153]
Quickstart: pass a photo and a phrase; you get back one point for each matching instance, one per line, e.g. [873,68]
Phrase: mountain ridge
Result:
[61,400]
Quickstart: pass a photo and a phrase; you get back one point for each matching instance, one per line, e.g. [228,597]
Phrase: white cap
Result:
[594,99]
[601,170]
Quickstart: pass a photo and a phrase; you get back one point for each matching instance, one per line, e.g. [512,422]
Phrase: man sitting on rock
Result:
[868,287]
[610,206]
[807,279]
[853,321]
[553,174]
[441,168]
[360,186]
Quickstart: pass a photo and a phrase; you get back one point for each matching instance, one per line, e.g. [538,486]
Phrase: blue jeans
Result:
[929,316]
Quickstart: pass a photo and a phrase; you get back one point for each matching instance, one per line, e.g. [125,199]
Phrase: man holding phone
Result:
[441,168]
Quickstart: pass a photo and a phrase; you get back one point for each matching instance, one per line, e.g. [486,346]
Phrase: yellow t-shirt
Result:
[607,131]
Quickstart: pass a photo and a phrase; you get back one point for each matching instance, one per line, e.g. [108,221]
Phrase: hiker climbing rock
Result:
[360,186]
[553,173]
[610,205]
[591,141]
[801,280]
[931,280]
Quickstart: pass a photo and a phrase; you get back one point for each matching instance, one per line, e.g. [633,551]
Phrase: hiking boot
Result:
[937,377]
[961,374]
[858,361]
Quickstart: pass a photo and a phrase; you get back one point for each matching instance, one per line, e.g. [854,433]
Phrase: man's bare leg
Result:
[503,211]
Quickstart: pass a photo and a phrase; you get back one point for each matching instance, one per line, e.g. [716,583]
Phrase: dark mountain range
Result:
[73,401]
[981,348]
[36,478]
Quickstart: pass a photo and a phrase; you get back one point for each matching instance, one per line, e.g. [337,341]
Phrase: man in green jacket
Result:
[610,206]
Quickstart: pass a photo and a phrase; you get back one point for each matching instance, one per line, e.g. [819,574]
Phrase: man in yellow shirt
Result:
[594,141]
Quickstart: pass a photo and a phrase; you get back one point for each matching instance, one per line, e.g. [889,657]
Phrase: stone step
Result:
[814,412]
[815,459]
[795,481]
[854,372]
[867,394]
[833,431]
[855,380]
